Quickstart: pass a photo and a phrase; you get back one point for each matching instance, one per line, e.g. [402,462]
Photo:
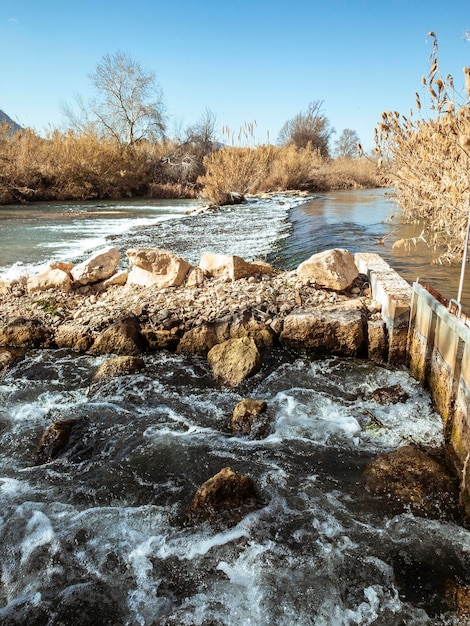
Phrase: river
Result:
[96,537]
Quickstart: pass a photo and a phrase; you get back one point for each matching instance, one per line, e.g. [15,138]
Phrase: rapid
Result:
[97,536]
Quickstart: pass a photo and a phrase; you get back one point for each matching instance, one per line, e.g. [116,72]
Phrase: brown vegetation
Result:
[73,166]
[70,166]
[428,160]
[274,168]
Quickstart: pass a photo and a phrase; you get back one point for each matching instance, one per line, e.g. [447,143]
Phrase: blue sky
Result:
[260,61]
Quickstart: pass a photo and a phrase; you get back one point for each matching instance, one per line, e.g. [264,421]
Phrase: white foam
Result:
[39,532]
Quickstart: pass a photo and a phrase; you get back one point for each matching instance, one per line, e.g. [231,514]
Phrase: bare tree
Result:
[128,102]
[347,144]
[185,160]
[311,128]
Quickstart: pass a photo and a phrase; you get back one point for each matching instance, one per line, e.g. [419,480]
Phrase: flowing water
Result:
[97,536]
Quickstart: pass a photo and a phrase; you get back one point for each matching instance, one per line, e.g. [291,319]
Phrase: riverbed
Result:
[97,536]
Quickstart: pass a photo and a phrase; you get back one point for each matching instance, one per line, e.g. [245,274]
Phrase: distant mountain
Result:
[4,119]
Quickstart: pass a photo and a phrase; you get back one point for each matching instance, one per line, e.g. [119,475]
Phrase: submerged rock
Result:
[228,492]
[234,360]
[249,418]
[416,479]
[390,395]
[118,366]
[56,438]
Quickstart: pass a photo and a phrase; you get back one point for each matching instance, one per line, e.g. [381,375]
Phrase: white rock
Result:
[99,266]
[331,269]
[233,267]
[156,267]
[50,279]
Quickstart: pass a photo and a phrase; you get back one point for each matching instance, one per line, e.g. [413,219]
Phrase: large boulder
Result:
[227,492]
[49,279]
[200,339]
[234,360]
[233,267]
[331,329]
[249,418]
[331,269]
[156,267]
[122,337]
[99,266]
[28,333]
[415,479]
[73,337]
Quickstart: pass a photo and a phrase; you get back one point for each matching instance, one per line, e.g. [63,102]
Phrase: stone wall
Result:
[439,357]
[393,293]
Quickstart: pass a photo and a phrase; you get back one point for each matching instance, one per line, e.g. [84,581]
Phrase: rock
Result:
[332,328]
[198,340]
[244,324]
[262,267]
[194,277]
[56,438]
[7,359]
[233,267]
[416,479]
[72,337]
[248,418]
[161,339]
[458,600]
[390,395]
[28,333]
[234,360]
[118,279]
[5,287]
[156,267]
[377,344]
[226,492]
[50,279]
[65,266]
[201,339]
[118,366]
[122,337]
[98,267]
[331,269]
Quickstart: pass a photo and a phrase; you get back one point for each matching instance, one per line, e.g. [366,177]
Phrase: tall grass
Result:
[72,166]
[427,160]
[66,166]
[234,170]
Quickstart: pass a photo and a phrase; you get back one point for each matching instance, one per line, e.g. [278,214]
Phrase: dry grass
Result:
[427,161]
[68,167]
[71,166]
[233,170]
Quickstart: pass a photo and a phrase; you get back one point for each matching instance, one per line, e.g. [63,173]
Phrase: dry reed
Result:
[428,160]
